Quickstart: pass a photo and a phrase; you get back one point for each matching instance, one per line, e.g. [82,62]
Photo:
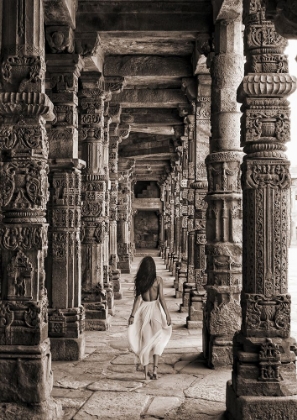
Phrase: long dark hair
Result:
[145,276]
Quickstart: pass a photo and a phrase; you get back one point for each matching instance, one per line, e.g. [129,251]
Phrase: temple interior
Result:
[147,127]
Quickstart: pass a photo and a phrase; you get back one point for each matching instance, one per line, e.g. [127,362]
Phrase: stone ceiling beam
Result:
[142,128]
[150,98]
[60,12]
[227,9]
[88,45]
[147,66]
[136,139]
[145,15]
[148,148]
[154,117]
[152,43]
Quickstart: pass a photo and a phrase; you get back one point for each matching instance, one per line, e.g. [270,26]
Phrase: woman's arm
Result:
[134,309]
[162,301]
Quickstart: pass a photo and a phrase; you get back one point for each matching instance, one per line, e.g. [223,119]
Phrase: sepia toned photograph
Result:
[148,209]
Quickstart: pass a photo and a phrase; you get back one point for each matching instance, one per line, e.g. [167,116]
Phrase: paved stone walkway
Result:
[107,385]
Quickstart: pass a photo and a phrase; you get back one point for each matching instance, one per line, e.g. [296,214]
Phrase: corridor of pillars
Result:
[89,111]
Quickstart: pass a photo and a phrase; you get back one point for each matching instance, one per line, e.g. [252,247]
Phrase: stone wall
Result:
[146,229]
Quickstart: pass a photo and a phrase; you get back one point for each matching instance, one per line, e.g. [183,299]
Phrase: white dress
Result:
[149,333]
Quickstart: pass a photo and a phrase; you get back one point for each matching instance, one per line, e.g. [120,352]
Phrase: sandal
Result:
[155,375]
[150,375]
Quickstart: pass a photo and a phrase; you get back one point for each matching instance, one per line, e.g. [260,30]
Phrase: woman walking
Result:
[149,324]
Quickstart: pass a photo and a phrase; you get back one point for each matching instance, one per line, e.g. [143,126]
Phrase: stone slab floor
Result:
[108,385]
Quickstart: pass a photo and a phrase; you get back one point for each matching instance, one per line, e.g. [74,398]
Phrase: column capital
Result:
[60,13]
[227,10]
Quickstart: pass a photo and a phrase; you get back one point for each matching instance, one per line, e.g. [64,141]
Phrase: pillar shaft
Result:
[113,242]
[183,200]
[222,314]
[124,215]
[197,235]
[187,270]
[94,297]
[63,265]
[264,359]
[25,358]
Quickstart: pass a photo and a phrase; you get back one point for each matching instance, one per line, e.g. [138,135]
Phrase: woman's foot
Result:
[147,374]
[155,373]
[150,374]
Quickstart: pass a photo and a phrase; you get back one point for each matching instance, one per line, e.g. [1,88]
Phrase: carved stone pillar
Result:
[172,223]
[113,243]
[124,215]
[222,314]
[162,216]
[197,237]
[108,286]
[161,232]
[63,264]
[168,222]
[178,238]
[264,371]
[106,270]
[95,299]
[25,358]
[180,231]
[132,224]
[187,265]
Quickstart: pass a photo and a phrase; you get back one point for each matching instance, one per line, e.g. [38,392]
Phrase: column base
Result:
[194,325]
[124,264]
[197,301]
[67,349]
[26,375]
[187,289]
[48,410]
[217,352]
[183,308]
[97,317]
[98,324]
[111,311]
[116,284]
[221,355]
[179,284]
[264,408]
[118,295]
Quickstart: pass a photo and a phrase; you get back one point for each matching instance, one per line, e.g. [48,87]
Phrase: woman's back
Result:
[153,292]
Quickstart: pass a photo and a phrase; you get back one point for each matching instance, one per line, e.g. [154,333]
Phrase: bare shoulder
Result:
[159,280]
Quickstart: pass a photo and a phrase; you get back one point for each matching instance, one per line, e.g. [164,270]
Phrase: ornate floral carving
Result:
[267,123]
[25,237]
[60,245]
[271,173]
[65,115]
[23,72]
[267,316]
[225,318]
[24,185]
[264,35]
